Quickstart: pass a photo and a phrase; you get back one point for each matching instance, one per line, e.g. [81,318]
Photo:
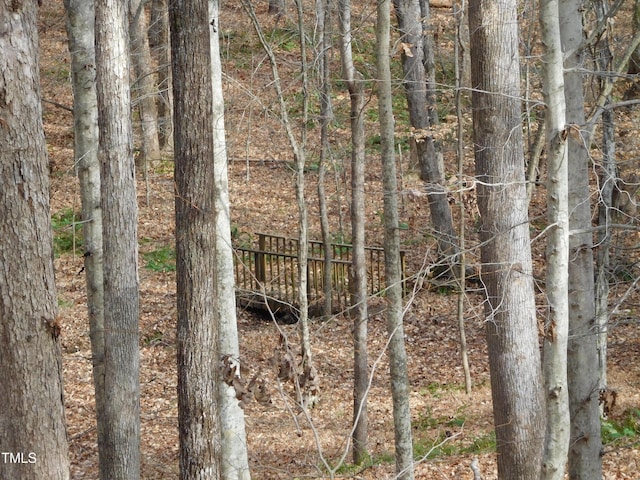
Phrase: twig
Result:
[59,105]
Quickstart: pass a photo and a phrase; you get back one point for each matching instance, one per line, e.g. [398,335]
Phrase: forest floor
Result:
[451,428]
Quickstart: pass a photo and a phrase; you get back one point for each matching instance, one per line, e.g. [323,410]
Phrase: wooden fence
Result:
[268,265]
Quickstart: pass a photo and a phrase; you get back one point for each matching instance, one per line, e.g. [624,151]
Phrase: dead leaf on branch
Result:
[289,369]
[406,48]
[230,374]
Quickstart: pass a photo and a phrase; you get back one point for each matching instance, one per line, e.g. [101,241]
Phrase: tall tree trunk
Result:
[585,460]
[160,52]
[323,19]
[557,322]
[121,459]
[34,441]
[309,373]
[144,85]
[195,204]
[393,275]
[418,67]
[235,461]
[511,327]
[308,380]
[459,12]
[358,280]
[607,182]
[81,33]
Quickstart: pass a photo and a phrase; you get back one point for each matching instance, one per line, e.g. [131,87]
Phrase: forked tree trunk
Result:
[393,275]
[32,422]
[121,459]
[418,67]
[358,274]
[511,327]
[585,460]
[557,321]
[235,461]
[81,33]
[195,203]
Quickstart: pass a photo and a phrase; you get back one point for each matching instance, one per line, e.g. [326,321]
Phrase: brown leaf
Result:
[406,48]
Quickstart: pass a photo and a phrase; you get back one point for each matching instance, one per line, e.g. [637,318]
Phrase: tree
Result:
[393,274]
[418,68]
[159,44]
[32,422]
[144,85]
[557,322]
[323,22]
[121,449]
[307,380]
[195,204]
[634,64]
[585,460]
[511,327]
[358,274]
[81,33]
[235,462]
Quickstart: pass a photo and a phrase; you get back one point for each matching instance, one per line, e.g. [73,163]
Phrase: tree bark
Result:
[32,421]
[276,7]
[144,84]
[511,327]
[160,52]
[393,275]
[557,321]
[358,272]
[195,203]
[418,68]
[235,461]
[121,459]
[323,14]
[585,460]
[81,34]
[634,64]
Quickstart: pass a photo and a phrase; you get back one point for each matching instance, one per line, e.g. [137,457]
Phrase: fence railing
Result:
[269,264]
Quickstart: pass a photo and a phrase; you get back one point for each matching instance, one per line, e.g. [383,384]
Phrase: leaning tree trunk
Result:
[235,461]
[81,33]
[33,438]
[585,460]
[393,273]
[557,321]
[358,274]
[417,59]
[195,203]
[511,327]
[121,459]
